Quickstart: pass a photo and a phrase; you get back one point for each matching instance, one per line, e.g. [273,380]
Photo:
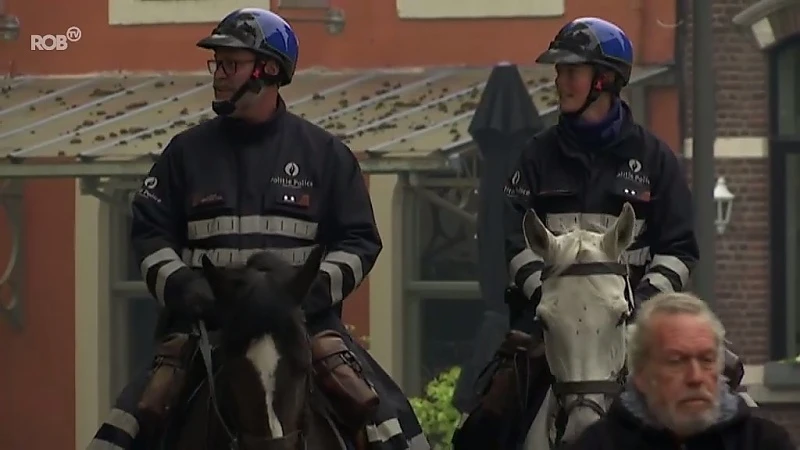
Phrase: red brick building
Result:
[400,80]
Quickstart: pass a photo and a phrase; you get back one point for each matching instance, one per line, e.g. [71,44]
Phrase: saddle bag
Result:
[516,350]
[340,376]
[167,379]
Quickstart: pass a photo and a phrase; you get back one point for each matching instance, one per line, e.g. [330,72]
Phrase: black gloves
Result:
[197,302]
[522,311]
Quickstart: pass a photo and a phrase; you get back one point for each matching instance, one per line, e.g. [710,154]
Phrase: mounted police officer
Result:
[257,178]
[579,173]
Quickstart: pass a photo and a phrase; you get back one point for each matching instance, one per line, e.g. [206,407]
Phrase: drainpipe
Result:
[9,32]
[680,69]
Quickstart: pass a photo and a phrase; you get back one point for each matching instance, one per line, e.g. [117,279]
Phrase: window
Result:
[134,318]
[792,236]
[788,77]
[304,4]
[448,248]
[478,9]
[146,12]
[785,199]
[448,334]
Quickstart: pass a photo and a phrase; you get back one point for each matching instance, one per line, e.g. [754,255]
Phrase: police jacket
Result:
[568,185]
[227,190]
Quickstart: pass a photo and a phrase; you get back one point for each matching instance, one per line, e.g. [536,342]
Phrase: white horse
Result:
[584,312]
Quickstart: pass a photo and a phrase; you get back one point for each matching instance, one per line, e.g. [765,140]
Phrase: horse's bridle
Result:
[292,441]
[581,389]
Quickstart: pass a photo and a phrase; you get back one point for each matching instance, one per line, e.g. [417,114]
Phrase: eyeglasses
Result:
[228,66]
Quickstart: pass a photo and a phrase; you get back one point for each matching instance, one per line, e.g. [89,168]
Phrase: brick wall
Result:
[742,268]
[742,284]
[740,71]
[742,110]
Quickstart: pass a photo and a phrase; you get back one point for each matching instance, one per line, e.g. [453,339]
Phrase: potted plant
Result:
[435,410]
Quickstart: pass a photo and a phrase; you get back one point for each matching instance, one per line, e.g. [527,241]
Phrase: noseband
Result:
[581,389]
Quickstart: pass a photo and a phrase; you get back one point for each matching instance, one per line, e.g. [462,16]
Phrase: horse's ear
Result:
[301,281]
[537,236]
[209,269]
[619,237]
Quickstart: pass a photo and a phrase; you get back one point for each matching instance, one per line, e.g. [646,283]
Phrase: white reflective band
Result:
[124,421]
[222,257]
[336,277]
[419,442]
[329,266]
[659,282]
[163,274]
[521,259]
[747,399]
[532,283]
[350,260]
[462,420]
[599,223]
[638,257]
[270,225]
[120,420]
[157,257]
[383,431]
[674,264]
[103,445]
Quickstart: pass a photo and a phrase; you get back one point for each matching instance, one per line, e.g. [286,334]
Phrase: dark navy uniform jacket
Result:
[570,183]
[228,190]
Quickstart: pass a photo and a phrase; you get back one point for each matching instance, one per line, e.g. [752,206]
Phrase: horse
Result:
[584,312]
[258,393]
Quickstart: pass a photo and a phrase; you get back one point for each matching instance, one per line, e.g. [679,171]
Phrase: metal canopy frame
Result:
[421,179]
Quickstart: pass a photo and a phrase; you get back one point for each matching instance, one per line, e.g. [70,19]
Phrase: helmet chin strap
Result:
[598,87]
[257,81]
[227,107]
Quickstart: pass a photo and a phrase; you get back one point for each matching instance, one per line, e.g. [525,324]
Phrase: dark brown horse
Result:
[261,395]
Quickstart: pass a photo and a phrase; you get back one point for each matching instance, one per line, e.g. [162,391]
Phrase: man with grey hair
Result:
[676,396]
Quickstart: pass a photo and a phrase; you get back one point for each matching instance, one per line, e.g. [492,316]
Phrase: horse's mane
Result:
[270,263]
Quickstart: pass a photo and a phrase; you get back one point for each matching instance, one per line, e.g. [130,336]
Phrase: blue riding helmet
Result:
[264,32]
[594,41]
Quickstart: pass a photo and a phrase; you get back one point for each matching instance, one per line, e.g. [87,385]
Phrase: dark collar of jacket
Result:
[633,426]
[241,131]
[609,136]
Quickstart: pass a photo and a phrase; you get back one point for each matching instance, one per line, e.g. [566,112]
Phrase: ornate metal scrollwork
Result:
[11,299]
[448,253]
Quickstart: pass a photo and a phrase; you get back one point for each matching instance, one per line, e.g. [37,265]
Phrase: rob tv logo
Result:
[58,42]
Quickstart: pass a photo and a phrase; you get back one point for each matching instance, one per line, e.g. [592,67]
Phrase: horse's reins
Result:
[583,388]
[205,352]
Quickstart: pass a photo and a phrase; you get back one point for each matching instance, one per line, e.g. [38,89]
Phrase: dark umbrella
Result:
[504,120]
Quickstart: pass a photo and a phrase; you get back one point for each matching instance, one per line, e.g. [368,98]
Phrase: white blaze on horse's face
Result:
[583,316]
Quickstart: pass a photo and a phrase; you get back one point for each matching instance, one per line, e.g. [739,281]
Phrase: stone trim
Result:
[771,21]
[762,394]
[734,147]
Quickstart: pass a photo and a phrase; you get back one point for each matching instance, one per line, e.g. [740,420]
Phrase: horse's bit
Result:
[291,441]
[583,388]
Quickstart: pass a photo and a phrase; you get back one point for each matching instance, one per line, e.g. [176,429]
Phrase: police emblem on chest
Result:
[294,186]
[635,181]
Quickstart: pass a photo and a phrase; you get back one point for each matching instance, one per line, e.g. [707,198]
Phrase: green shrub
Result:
[435,409]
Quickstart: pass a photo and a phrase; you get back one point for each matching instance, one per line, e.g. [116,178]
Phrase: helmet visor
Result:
[561,56]
[220,41]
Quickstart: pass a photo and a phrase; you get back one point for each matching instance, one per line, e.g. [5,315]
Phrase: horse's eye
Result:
[623,319]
